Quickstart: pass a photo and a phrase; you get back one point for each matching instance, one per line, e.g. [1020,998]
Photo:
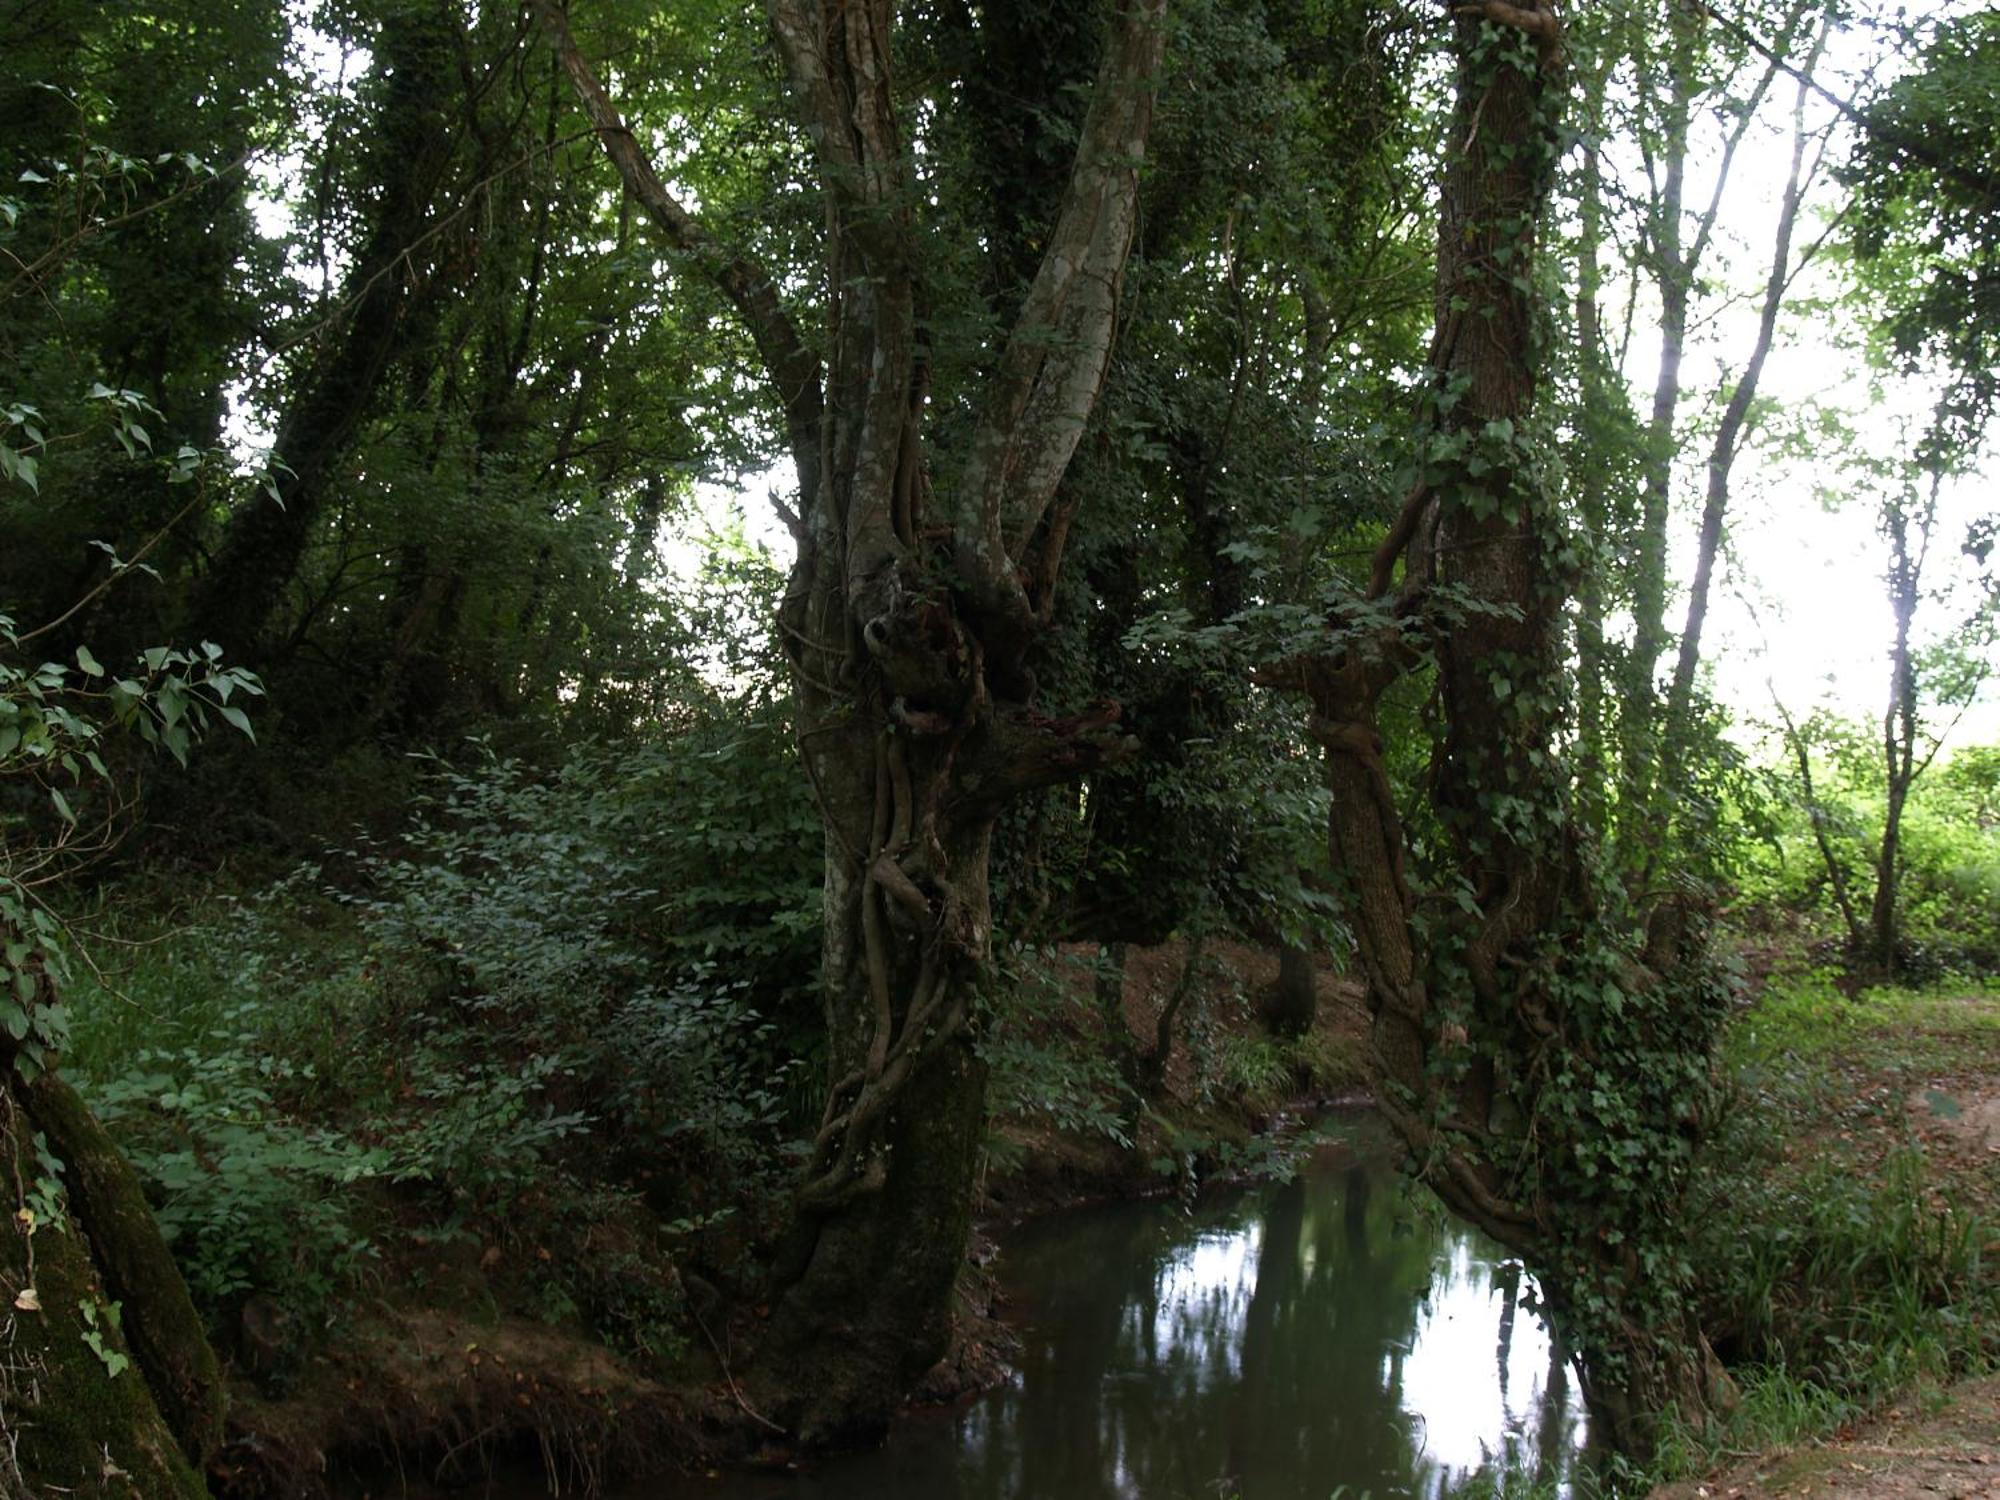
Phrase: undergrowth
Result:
[473,1053]
[1841,1267]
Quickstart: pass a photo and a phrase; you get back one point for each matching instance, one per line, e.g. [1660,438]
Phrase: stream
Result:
[1319,1340]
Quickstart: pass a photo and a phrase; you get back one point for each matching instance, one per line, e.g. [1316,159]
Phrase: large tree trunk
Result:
[107,1383]
[1545,1065]
[909,626]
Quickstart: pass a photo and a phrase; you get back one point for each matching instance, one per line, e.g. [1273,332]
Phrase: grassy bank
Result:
[1850,1232]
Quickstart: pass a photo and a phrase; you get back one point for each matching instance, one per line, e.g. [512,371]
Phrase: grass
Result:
[1846,1248]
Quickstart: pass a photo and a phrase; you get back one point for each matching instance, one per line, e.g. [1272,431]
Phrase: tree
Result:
[923,583]
[93,1291]
[1539,1041]
[1927,243]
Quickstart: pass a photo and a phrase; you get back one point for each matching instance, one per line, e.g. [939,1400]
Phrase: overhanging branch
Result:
[791,366]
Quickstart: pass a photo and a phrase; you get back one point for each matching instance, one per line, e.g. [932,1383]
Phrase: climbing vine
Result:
[1540,1035]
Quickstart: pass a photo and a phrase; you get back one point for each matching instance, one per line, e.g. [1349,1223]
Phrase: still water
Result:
[1314,1340]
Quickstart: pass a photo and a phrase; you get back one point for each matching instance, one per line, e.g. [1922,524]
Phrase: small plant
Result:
[102,1322]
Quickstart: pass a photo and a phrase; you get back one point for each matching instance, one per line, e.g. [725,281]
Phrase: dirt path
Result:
[1949,1451]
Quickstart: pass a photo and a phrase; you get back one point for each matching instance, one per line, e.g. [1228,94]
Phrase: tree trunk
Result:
[381,312]
[1291,1005]
[1727,445]
[1673,272]
[909,626]
[92,1300]
[1899,717]
[1546,1065]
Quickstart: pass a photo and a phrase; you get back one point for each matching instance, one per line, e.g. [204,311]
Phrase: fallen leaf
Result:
[28,1300]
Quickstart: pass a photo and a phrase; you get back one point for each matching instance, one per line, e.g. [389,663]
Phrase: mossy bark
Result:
[160,1322]
[78,1420]
[871,1311]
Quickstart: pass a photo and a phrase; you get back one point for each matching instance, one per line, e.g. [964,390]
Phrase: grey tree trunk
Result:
[909,625]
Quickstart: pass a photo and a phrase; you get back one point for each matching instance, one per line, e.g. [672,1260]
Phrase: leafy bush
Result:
[250,1199]
[494,1028]
[1830,1280]
[1950,849]
[1043,1065]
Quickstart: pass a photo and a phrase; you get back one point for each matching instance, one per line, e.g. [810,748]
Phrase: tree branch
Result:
[1054,365]
[792,368]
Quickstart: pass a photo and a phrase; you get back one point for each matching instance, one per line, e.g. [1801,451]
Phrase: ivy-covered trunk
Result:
[916,603]
[1541,1046]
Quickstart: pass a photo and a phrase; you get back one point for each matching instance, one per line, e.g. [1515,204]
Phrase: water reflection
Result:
[1310,1339]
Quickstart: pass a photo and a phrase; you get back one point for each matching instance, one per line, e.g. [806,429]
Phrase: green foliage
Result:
[1949,848]
[1831,1280]
[249,1199]
[55,721]
[1044,1066]
[483,1030]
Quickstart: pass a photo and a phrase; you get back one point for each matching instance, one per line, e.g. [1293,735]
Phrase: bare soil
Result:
[1945,1446]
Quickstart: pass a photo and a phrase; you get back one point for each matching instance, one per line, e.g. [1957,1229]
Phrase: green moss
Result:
[160,1322]
[78,1427]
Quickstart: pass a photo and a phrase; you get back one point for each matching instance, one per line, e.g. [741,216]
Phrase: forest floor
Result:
[1887,1072]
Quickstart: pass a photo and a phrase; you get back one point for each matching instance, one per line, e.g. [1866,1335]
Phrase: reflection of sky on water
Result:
[1477,1393]
[1203,1295]
[1290,1344]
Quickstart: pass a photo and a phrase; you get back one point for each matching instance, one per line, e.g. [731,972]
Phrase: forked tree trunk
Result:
[909,626]
[1545,1064]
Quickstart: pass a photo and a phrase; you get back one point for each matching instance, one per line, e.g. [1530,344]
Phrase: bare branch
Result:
[1055,361]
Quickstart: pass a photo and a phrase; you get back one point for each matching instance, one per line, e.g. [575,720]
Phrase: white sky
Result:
[1799,601]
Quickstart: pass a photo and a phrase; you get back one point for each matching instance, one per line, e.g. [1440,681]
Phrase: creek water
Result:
[1319,1340]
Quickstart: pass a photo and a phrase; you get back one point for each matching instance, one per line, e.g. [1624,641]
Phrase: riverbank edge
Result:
[411,1401]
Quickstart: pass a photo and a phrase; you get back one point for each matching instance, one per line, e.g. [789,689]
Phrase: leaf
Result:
[89,663]
[240,719]
[62,805]
[28,1300]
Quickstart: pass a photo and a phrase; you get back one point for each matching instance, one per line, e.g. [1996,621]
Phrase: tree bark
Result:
[1899,718]
[1518,1026]
[1290,1006]
[107,1384]
[909,627]
[381,314]
[1729,433]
